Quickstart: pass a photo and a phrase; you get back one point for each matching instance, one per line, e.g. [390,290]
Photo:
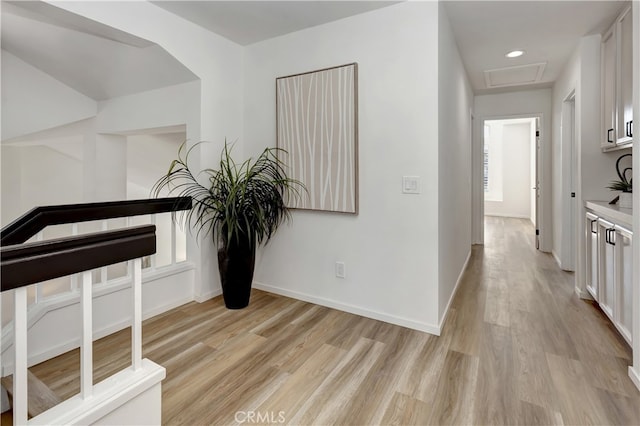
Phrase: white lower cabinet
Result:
[623,314]
[609,264]
[606,266]
[591,240]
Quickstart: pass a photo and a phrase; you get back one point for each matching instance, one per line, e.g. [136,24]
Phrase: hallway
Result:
[518,347]
[544,355]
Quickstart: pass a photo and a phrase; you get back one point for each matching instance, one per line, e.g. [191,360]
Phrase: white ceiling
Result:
[94,59]
[548,32]
[247,22]
[102,62]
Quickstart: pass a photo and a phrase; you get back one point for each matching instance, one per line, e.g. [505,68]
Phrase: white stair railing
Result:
[20,391]
[37,263]
[41,296]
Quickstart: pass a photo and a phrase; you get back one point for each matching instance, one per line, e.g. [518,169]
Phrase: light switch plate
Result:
[410,184]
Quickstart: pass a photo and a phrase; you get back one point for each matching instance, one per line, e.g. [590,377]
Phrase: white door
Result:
[592,254]
[573,212]
[608,138]
[624,266]
[606,266]
[536,221]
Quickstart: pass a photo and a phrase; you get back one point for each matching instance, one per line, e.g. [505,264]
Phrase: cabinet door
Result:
[592,255]
[624,114]
[623,312]
[608,138]
[606,266]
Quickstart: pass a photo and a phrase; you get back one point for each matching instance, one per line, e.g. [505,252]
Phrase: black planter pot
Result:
[236,263]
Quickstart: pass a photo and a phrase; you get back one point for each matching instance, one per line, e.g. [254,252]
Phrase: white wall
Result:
[217,62]
[390,248]
[594,169]
[34,175]
[10,198]
[398,83]
[170,106]
[148,159]
[566,83]
[512,105]
[33,101]
[514,138]
[634,371]
[455,100]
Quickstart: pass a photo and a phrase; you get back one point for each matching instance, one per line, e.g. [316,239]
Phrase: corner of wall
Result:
[33,101]
[634,371]
[455,102]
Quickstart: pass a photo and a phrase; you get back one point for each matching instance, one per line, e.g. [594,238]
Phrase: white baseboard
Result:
[635,378]
[557,258]
[37,312]
[507,215]
[582,294]
[207,296]
[453,294]
[164,308]
[68,300]
[357,310]
[67,346]
[64,347]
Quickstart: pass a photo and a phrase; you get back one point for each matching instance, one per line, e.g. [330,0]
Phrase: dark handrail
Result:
[25,264]
[34,221]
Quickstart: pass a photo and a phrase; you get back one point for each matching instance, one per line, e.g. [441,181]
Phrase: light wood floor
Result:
[518,347]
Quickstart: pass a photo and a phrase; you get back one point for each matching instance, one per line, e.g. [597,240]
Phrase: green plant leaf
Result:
[244,200]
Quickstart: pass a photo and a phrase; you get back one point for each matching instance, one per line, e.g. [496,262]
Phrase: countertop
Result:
[611,212]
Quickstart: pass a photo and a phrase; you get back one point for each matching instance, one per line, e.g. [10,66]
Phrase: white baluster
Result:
[38,295]
[86,349]
[103,270]
[173,238]
[20,357]
[136,326]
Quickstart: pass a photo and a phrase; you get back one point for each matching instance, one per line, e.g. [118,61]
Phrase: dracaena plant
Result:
[244,201]
[624,184]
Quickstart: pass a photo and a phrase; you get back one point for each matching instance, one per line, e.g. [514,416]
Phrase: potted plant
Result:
[625,184]
[242,207]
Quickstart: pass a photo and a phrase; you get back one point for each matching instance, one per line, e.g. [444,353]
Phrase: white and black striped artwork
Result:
[317,124]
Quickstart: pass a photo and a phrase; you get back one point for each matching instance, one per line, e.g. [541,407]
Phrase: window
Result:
[493,161]
[486,169]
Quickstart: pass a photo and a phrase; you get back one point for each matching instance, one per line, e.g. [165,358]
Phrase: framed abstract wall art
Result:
[317,125]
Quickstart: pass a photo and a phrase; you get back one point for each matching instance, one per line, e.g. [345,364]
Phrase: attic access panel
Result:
[514,76]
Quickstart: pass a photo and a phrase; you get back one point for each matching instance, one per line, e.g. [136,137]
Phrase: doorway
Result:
[511,186]
[567,257]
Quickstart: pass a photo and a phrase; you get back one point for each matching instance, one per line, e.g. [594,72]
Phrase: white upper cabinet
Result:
[608,139]
[617,80]
[625,87]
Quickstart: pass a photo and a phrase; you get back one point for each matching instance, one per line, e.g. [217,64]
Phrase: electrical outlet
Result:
[341,270]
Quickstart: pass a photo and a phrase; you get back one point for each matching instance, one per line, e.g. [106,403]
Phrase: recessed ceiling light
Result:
[514,53]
